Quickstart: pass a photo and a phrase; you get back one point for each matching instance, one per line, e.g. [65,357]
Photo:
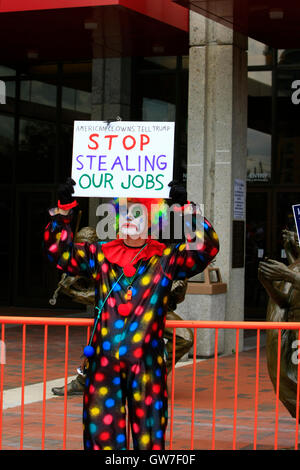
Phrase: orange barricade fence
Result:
[220,402]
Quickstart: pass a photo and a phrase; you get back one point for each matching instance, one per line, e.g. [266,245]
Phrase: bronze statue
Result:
[282,283]
[80,290]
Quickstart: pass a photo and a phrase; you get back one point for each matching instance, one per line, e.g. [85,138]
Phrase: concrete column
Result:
[217,130]
[111,95]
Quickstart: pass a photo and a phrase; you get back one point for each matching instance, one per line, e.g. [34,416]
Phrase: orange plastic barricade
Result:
[191,417]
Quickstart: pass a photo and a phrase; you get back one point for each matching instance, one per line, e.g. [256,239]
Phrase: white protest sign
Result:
[123,158]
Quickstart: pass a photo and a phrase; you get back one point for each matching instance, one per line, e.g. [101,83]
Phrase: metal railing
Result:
[195,326]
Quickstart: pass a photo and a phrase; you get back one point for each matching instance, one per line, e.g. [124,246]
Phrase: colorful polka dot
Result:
[137,337]
[95,411]
[145,439]
[119,324]
[122,350]
[147,317]
[138,353]
[66,255]
[93,428]
[139,412]
[108,419]
[103,391]
[133,326]
[104,267]
[145,280]
[148,400]
[135,428]
[104,361]
[110,402]
[139,310]
[106,345]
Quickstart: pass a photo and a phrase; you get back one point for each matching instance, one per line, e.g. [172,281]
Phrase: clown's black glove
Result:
[65,198]
[178,193]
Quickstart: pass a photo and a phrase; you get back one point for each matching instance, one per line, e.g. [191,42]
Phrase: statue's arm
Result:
[273,270]
[290,245]
[291,258]
[279,297]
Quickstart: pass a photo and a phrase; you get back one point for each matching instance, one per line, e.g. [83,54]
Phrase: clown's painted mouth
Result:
[127,225]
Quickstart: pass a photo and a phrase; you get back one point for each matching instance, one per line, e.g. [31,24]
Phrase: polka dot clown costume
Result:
[126,352]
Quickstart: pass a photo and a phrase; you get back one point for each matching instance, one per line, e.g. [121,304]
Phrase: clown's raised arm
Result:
[200,242]
[85,259]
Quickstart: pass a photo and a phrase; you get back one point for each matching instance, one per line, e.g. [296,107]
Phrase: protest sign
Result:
[123,158]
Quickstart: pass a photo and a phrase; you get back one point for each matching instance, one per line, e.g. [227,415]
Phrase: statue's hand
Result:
[275,271]
[261,276]
[288,236]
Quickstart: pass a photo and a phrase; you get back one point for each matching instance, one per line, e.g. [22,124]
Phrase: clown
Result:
[133,278]
[133,221]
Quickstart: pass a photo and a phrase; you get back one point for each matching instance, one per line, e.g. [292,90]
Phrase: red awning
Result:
[162,10]
[83,29]
[273,22]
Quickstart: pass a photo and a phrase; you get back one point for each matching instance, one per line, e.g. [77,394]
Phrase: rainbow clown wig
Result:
[157,212]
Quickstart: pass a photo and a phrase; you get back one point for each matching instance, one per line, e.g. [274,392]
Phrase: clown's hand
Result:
[65,192]
[66,201]
[178,193]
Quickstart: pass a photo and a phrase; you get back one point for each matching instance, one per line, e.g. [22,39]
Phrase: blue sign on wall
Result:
[296,212]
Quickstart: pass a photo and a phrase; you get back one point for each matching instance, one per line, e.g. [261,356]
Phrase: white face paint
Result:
[133,222]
